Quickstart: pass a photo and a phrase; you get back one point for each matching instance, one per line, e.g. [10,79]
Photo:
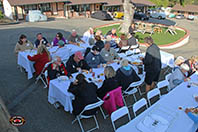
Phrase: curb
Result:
[176,44]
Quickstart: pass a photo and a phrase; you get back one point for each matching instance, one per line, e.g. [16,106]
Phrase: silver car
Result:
[158,15]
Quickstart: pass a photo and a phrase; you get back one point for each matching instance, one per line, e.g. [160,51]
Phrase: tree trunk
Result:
[128,16]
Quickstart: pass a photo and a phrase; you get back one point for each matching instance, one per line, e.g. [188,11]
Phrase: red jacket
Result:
[40,61]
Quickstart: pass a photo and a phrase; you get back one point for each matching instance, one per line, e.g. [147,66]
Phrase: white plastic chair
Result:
[167,77]
[152,94]
[43,75]
[118,114]
[87,108]
[139,104]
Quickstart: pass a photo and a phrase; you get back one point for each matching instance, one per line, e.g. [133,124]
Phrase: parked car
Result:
[140,16]
[35,16]
[158,14]
[180,16]
[191,17]
[118,15]
[101,15]
[171,16]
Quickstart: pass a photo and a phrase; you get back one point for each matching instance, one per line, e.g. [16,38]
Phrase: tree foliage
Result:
[166,3]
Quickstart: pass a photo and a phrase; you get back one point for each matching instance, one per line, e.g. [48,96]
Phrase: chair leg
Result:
[97,126]
[74,120]
[134,97]
[124,101]
[103,114]
[45,85]
[37,79]
[80,124]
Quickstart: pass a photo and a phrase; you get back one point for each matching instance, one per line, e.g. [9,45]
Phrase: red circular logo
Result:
[17,120]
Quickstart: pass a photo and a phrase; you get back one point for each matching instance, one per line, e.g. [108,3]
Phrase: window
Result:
[30,7]
[45,7]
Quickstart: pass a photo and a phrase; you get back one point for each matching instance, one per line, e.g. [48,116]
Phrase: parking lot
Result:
[24,97]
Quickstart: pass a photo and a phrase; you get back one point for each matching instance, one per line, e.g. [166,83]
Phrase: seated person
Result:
[89,34]
[99,43]
[109,83]
[132,42]
[112,33]
[56,69]
[84,92]
[108,53]
[132,28]
[93,58]
[74,38]
[179,75]
[62,52]
[179,60]
[99,33]
[41,40]
[23,44]
[125,75]
[59,36]
[191,63]
[41,58]
[76,62]
[192,114]
[123,44]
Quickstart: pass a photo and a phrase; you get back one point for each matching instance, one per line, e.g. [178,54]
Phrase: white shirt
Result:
[87,36]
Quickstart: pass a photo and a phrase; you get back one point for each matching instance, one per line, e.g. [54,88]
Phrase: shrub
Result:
[1,15]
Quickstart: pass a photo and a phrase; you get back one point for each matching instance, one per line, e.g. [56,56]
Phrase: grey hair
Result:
[109,72]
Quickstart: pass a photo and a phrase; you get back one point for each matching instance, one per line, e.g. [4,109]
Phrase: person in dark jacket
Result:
[41,40]
[85,93]
[112,33]
[93,58]
[76,63]
[109,83]
[99,43]
[152,64]
[56,69]
[126,75]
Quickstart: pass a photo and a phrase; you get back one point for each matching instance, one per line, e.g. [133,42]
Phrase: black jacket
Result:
[152,60]
[190,72]
[72,65]
[100,44]
[52,74]
[126,77]
[85,94]
[108,85]
[110,33]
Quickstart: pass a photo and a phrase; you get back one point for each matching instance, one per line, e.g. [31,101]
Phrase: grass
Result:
[159,38]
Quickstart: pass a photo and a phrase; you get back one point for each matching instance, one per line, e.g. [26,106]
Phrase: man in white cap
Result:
[74,38]
[179,76]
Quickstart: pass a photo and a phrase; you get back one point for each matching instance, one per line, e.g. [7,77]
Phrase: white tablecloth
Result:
[181,96]
[28,65]
[25,63]
[58,89]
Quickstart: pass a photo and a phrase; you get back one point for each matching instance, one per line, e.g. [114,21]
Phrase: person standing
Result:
[152,64]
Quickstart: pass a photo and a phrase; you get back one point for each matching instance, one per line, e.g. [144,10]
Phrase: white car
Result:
[158,15]
[35,16]
[191,17]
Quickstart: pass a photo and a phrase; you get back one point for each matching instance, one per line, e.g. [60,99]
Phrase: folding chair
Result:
[43,75]
[162,84]
[87,108]
[139,104]
[118,114]
[152,94]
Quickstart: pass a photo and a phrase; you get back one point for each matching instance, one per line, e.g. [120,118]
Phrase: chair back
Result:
[152,94]
[92,106]
[167,77]
[112,99]
[162,84]
[118,114]
[139,104]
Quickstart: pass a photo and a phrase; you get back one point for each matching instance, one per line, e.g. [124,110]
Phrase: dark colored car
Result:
[101,15]
[140,16]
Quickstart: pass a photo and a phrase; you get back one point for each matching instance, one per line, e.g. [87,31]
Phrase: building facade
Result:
[185,10]
[70,8]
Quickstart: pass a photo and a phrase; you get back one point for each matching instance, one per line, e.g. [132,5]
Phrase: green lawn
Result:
[159,38]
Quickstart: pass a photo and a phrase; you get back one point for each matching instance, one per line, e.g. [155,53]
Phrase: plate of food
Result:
[63,78]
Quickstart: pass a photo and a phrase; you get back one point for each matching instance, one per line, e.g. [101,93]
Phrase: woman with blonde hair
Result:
[126,75]
[40,59]
[109,83]
[192,64]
